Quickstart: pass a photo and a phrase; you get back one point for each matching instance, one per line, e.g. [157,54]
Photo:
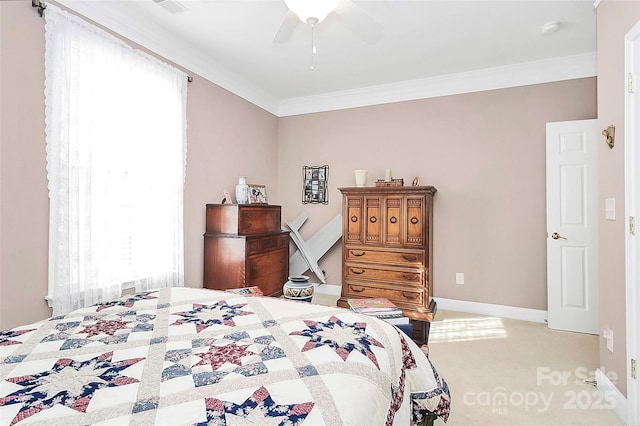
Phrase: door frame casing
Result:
[632,198]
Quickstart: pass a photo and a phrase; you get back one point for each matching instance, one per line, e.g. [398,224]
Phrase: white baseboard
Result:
[502,311]
[331,289]
[612,395]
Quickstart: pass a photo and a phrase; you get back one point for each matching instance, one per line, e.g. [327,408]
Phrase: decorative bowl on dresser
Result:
[244,246]
[387,249]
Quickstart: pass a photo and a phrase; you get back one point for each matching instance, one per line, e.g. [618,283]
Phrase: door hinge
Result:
[634,370]
[631,83]
[632,225]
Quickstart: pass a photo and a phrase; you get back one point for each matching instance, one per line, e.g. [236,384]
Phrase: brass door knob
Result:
[557,236]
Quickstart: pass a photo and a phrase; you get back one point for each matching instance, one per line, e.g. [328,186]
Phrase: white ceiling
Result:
[409,50]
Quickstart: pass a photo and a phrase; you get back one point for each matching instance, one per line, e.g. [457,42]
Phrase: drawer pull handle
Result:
[411,296]
[373,219]
[357,272]
[410,277]
[358,254]
[414,220]
[409,258]
[393,219]
[248,225]
[357,289]
[354,218]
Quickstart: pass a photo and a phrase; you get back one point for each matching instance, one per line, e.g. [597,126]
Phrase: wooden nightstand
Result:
[420,331]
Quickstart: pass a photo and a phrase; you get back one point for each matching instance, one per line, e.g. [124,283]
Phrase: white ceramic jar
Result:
[242,190]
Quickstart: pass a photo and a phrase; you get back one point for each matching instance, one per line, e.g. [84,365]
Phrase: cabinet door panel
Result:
[224,260]
[393,221]
[373,220]
[353,231]
[415,224]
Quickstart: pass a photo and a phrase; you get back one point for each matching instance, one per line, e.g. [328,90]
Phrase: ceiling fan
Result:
[312,12]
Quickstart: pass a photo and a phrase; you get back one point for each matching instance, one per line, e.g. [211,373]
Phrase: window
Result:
[116,150]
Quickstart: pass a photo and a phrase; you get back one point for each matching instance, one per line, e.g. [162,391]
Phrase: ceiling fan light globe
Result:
[313,10]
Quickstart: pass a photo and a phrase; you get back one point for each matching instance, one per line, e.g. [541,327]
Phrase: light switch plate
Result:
[608,337]
[610,209]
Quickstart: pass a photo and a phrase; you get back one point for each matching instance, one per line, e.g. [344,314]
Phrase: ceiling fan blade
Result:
[354,18]
[288,25]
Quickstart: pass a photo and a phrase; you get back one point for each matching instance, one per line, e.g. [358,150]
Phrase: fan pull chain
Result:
[313,44]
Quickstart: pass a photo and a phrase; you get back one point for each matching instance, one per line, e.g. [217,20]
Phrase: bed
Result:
[195,356]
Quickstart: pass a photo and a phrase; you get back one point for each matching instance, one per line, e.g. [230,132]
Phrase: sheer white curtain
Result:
[116,151]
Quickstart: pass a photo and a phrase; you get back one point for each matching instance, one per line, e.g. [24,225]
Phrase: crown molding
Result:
[186,56]
[181,54]
[557,69]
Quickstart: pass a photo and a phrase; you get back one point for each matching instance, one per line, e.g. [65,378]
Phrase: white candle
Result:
[361,177]
[387,175]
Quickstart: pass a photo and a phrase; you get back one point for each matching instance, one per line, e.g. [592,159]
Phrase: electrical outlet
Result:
[608,335]
[459,278]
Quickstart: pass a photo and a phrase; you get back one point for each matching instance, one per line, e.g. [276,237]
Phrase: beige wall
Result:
[615,19]
[484,152]
[227,137]
[24,204]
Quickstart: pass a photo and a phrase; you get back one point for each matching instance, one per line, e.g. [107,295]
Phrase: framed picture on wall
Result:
[314,184]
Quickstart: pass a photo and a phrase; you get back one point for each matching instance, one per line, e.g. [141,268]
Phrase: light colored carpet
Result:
[509,372]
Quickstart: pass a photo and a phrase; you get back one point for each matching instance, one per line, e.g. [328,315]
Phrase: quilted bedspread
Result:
[194,356]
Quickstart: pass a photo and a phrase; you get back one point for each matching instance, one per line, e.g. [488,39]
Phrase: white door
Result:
[572,230]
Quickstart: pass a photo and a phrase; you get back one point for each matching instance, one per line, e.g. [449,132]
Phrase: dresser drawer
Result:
[271,284]
[275,262]
[263,244]
[259,220]
[411,277]
[389,257]
[243,219]
[401,297]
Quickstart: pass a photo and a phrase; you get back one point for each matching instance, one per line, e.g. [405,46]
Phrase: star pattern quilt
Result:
[186,356]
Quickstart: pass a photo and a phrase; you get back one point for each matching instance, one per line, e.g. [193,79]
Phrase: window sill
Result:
[126,288]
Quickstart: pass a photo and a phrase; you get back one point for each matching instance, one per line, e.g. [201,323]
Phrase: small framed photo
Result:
[257,194]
